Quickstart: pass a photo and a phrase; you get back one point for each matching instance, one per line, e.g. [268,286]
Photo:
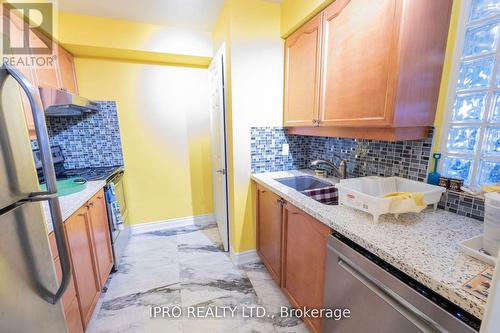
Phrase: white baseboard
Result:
[172,223]
[245,257]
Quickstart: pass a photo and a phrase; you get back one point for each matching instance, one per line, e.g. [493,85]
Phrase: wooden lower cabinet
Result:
[269,221]
[69,299]
[89,243]
[304,255]
[70,292]
[73,317]
[100,234]
[80,242]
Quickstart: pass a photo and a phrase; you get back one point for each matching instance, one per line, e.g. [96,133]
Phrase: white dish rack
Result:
[367,193]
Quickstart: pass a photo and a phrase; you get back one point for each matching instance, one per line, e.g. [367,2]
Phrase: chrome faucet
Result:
[340,171]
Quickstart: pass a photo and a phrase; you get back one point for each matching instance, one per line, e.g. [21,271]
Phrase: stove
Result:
[93,173]
[89,174]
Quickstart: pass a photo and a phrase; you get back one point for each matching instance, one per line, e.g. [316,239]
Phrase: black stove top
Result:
[93,173]
[90,174]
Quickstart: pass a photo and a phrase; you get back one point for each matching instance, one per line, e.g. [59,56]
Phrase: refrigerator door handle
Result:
[50,177]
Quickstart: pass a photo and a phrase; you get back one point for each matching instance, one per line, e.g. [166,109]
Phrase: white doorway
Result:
[219,141]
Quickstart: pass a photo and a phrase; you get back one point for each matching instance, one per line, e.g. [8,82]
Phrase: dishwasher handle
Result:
[411,313]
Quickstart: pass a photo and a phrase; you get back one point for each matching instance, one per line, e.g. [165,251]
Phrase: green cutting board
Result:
[69,186]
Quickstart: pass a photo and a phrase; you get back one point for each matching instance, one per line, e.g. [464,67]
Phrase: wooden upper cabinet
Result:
[302,57]
[269,222]
[67,70]
[47,74]
[101,236]
[380,66]
[304,257]
[16,40]
[356,69]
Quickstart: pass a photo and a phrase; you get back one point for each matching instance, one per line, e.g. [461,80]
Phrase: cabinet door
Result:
[302,60]
[82,256]
[70,292]
[73,319]
[359,54]
[304,261]
[16,40]
[47,74]
[269,231]
[67,70]
[101,236]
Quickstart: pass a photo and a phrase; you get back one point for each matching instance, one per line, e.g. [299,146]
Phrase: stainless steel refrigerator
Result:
[30,295]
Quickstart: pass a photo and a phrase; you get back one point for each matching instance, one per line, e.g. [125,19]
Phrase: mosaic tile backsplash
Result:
[407,159]
[91,140]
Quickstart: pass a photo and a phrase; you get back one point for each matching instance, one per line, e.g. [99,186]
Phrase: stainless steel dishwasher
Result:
[382,298]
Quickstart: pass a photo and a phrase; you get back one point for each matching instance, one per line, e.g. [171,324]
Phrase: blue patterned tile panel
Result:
[266,148]
[407,159]
[90,140]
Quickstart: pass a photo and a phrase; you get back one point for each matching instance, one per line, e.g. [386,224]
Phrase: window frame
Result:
[447,123]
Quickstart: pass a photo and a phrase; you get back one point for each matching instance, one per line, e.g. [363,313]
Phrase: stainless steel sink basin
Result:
[306,183]
[303,183]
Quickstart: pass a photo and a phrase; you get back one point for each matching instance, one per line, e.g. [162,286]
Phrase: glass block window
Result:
[472,133]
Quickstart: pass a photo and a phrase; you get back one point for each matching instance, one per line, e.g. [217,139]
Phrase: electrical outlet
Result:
[285,149]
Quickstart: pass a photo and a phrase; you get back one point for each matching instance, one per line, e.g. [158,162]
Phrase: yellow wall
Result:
[254,50]
[294,13]
[164,124]
[90,36]
[445,79]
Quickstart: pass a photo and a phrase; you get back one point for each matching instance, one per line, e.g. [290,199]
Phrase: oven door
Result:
[120,232]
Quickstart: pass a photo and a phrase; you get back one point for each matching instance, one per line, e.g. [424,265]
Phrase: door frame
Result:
[220,55]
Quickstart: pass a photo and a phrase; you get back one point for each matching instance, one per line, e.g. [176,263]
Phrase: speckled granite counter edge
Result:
[334,217]
[71,203]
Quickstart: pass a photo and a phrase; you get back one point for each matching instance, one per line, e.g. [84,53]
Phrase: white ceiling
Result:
[191,14]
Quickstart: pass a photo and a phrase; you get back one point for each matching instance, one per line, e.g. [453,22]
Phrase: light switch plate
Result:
[285,150]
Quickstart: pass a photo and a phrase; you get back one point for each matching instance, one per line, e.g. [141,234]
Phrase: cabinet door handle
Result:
[90,205]
[100,197]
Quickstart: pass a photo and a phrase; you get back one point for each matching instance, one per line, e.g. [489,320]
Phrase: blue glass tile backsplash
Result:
[91,140]
[407,159]
[266,148]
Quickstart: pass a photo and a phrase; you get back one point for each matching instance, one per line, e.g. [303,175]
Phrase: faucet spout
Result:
[340,171]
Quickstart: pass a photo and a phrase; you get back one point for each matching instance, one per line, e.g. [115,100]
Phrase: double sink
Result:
[307,184]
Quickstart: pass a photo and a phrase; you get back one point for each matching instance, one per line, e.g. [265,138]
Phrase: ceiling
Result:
[191,14]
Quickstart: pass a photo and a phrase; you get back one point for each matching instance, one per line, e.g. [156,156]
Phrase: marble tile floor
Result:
[182,269]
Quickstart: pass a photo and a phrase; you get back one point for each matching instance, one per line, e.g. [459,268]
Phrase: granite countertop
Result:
[71,203]
[424,246]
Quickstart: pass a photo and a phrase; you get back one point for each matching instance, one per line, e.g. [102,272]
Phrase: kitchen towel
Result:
[406,202]
[327,195]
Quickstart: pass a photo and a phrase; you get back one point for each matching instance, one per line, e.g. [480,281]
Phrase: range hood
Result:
[60,102]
